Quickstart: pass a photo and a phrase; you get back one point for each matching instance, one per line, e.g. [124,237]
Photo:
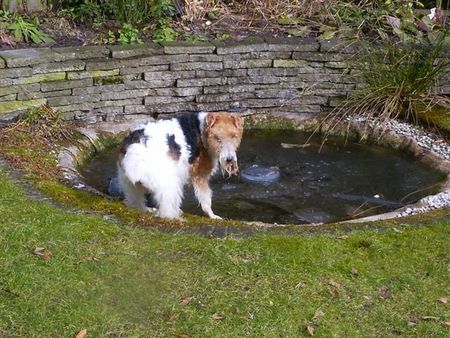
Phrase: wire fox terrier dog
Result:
[160,157]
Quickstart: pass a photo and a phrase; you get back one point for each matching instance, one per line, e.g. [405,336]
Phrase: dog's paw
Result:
[214,216]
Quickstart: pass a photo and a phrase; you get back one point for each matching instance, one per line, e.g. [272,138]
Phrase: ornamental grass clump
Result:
[399,82]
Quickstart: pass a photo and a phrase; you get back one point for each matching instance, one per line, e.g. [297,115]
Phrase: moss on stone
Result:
[92,74]
[41,78]
[108,80]
[12,106]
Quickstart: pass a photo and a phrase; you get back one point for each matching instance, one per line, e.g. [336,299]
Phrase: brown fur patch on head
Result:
[223,129]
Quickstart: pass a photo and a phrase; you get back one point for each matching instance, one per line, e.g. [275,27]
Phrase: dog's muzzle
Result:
[228,164]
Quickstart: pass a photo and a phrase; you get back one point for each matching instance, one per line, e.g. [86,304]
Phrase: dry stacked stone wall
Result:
[95,83]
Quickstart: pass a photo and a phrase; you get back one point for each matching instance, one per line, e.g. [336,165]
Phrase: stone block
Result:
[40,78]
[135,109]
[128,51]
[252,80]
[205,58]
[27,57]
[103,64]
[339,46]
[142,69]
[34,87]
[277,93]
[81,52]
[243,46]
[201,82]
[289,63]
[28,95]
[229,89]
[211,98]
[15,73]
[69,84]
[13,106]
[163,59]
[168,75]
[116,88]
[292,44]
[266,55]
[248,63]
[91,74]
[138,84]
[171,108]
[196,66]
[185,91]
[81,107]
[157,100]
[111,110]
[215,106]
[6,82]
[261,103]
[2,63]
[319,57]
[69,100]
[126,94]
[336,65]
[221,73]
[125,102]
[188,47]
[9,97]
[64,66]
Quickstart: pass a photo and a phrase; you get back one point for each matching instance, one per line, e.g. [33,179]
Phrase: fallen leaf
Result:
[367,298]
[318,316]
[411,324]
[397,230]
[218,316]
[384,292]
[430,318]
[342,237]
[39,251]
[47,255]
[310,330]
[443,300]
[81,334]
[335,284]
[186,300]
[334,293]
[447,324]
[354,271]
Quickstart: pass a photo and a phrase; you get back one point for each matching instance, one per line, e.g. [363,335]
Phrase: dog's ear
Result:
[238,121]
[210,120]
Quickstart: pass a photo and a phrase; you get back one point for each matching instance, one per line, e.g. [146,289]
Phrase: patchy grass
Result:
[116,280]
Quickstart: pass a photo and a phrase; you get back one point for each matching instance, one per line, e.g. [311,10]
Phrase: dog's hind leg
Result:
[204,195]
[168,195]
[134,193]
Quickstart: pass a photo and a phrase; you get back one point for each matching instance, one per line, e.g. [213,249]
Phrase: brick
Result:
[126,94]
[293,44]
[109,110]
[277,93]
[188,47]
[185,91]
[15,72]
[266,55]
[163,59]
[221,73]
[168,75]
[27,95]
[82,52]
[151,100]
[116,88]
[261,103]
[128,51]
[336,65]
[2,63]
[74,107]
[143,69]
[215,106]
[40,78]
[201,82]
[60,85]
[51,67]
[27,57]
[137,84]
[91,74]
[68,100]
[210,98]
[243,46]
[252,80]
[196,66]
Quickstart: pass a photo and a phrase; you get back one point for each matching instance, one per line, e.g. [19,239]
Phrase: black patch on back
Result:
[174,147]
[190,125]
[134,137]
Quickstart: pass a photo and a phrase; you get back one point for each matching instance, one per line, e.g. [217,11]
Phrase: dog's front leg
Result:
[204,194]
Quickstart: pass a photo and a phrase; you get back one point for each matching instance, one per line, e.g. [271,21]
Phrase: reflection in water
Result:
[338,183]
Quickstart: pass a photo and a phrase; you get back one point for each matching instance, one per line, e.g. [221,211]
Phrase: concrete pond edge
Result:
[424,146]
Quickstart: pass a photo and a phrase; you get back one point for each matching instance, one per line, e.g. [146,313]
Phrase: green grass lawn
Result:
[118,281]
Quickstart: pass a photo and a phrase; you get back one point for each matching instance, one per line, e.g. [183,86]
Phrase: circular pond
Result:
[307,183]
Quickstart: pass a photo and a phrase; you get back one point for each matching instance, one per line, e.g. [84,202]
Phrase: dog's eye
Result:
[217,138]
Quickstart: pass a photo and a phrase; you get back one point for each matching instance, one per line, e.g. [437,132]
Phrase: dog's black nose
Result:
[230,159]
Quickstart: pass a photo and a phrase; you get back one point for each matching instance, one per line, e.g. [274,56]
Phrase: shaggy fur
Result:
[160,157]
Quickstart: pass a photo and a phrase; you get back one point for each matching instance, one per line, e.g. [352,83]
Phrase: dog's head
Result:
[223,134]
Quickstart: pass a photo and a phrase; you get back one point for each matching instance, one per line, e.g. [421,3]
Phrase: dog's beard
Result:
[229,168]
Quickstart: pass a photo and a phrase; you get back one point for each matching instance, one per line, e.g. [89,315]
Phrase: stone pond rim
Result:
[413,142]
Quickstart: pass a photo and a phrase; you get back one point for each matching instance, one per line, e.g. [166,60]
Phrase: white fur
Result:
[147,167]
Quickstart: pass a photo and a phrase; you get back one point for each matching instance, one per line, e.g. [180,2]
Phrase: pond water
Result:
[342,181]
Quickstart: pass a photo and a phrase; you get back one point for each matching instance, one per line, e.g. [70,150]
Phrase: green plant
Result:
[27,31]
[399,83]
[164,33]
[134,12]
[89,12]
[161,12]
[129,34]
